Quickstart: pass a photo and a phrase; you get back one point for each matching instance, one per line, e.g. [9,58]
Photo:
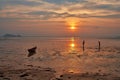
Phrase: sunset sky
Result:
[56,17]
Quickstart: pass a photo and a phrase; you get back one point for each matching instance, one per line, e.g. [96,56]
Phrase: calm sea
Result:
[64,54]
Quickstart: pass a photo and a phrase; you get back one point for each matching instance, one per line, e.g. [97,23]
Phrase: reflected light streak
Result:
[73,71]
[72,44]
[72,39]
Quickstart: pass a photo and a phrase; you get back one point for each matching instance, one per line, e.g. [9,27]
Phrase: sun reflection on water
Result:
[73,71]
[72,44]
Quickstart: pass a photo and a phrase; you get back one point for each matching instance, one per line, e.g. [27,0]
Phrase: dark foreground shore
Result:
[49,74]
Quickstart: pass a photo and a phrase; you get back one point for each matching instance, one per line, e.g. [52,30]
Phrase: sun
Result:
[72,26]
[72,23]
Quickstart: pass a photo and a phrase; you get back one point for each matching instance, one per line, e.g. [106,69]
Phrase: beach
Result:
[49,74]
[59,39]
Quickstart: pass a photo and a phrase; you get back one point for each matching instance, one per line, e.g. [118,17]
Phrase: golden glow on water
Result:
[72,39]
[72,44]
[73,70]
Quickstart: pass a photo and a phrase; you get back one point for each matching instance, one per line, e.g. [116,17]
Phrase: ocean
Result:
[63,54]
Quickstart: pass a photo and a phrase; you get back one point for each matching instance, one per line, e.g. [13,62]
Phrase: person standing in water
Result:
[99,45]
[83,45]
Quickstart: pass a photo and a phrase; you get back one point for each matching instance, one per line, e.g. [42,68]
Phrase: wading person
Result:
[99,45]
[83,45]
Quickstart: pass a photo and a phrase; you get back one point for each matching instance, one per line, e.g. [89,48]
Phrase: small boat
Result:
[32,51]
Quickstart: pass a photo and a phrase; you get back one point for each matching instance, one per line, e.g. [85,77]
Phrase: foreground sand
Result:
[87,76]
[49,74]
[27,74]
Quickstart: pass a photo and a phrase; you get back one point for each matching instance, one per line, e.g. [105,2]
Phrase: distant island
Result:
[11,35]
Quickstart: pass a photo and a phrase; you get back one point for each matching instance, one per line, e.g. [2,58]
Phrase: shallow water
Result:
[64,54]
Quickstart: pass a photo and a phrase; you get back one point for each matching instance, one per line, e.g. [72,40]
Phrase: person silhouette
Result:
[99,45]
[83,45]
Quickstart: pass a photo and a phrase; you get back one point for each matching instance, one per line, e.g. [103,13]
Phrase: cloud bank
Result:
[55,9]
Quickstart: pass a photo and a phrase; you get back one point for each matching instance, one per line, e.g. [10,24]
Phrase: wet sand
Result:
[27,74]
[49,74]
